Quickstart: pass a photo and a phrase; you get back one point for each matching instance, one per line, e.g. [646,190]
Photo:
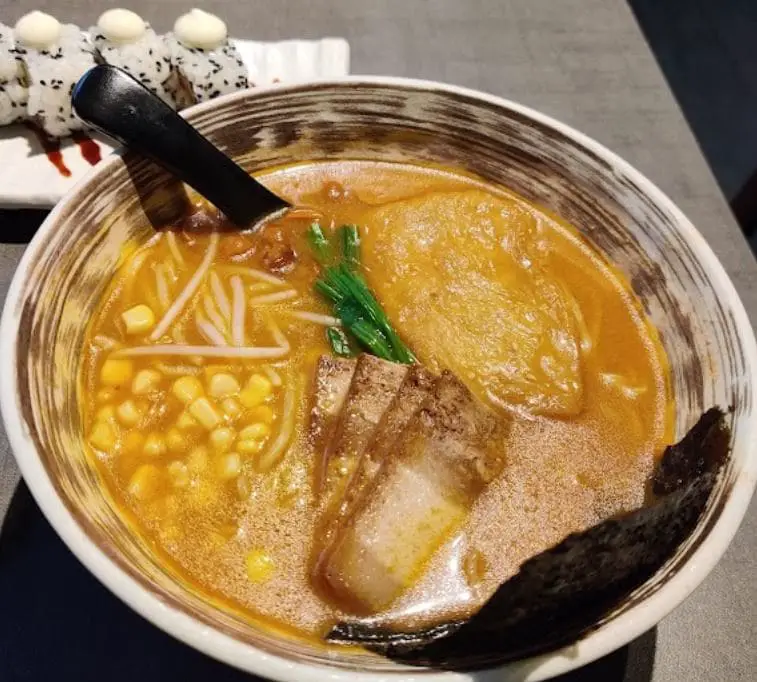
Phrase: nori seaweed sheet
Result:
[567,591]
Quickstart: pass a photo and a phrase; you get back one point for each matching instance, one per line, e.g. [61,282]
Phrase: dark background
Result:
[707,50]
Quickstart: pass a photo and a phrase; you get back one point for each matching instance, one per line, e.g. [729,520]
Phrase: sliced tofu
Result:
[451,448]
[373,387]
[332,383]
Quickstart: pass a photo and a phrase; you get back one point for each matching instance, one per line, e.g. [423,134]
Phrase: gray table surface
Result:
[586,63]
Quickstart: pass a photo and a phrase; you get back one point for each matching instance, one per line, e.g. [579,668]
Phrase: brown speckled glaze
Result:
[397,122]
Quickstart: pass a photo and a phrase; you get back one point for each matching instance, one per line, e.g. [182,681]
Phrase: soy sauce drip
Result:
[51,147]
[89,149]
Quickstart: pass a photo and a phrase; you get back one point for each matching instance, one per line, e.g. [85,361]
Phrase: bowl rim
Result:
[619,631]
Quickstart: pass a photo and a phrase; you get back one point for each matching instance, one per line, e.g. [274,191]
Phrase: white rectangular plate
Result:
[29,180]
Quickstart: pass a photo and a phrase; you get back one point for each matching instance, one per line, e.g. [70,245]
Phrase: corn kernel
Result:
[127,413]
[210,370]
[139,319]
[186,422]
[249,447]
[231,408]
[105,395]
[222,438]
[228,530]
[259,566]
[187,389]
[228,466]
[223,385]
[262,413]
[179,474]
[145,482]
[103,436]
[261,383]
[155,445]
[133,442]
[258,388]
[204,412]
[255,431]
[197,461]
[107,413]
[116,372]
[175,440]
[146,381]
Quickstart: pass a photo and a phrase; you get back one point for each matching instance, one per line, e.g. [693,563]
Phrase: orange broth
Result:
[224,492]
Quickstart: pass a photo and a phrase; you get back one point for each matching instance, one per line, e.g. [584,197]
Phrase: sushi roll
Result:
[13,91]
[208,63]
[54,56]
[123,39]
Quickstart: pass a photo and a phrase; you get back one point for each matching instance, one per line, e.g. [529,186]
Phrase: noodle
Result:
[237,311]
[177,370]
[276,297]
[317,318]
[271,457]
[162,287]
[278,335]
[245,352]
[252,272]
[273,375]
[221,299]
[213,314]
[209,331]
[192,286]
[173,247]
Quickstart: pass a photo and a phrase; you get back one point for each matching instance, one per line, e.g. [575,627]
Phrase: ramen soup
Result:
[376,407]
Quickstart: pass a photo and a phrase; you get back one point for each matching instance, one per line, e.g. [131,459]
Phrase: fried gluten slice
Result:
[374,384]
[449,451]
[332,383]
[415,389]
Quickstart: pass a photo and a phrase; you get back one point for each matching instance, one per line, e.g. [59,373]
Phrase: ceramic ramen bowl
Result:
[684,289]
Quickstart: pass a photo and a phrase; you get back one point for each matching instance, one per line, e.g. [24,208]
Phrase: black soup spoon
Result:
[118,105]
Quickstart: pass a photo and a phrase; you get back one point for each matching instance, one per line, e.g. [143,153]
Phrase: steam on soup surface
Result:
[199,381]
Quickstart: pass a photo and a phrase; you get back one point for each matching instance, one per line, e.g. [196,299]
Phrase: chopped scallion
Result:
[319,244]
[339,342]
[360,312]
[350,245]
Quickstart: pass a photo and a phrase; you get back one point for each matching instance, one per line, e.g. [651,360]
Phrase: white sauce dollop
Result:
[121,25]
[200,29]
[37,30]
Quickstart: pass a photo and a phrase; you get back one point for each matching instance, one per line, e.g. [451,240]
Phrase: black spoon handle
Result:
[112,101]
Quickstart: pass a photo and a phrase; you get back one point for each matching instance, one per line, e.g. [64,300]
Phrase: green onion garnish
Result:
[350,245]
[319,244]
[339,342]
[354,304]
